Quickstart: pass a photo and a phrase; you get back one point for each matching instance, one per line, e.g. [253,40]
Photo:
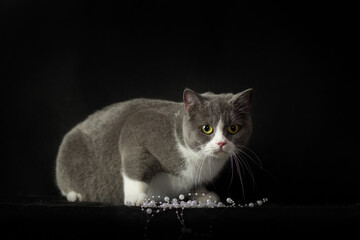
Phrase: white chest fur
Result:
[197,170]
[200,167]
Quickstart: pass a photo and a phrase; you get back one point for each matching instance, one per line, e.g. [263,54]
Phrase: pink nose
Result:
[221,144]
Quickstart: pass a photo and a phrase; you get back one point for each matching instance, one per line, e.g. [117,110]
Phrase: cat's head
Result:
[217,125]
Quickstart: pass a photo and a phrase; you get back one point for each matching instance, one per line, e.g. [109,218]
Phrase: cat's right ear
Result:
[191,99]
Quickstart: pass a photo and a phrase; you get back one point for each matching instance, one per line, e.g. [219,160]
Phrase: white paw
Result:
[73,196]
[134,191]
[134,199]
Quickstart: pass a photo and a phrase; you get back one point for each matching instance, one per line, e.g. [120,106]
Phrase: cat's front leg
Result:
[134,191]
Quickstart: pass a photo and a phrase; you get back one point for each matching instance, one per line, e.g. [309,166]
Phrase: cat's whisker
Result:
[256,156]
[240,177]
[232,169]
[258,162]
[196,178]
[198,174]
[247,167]
[212,179]
[241,165]
[241,158]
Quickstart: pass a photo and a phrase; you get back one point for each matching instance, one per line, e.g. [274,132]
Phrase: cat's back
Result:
[111,118]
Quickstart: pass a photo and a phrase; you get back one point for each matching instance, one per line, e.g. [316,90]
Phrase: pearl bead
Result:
[181,197]
[229,200]
[251,204]
[166,199]
[259,202]
[193,204]
[149,211]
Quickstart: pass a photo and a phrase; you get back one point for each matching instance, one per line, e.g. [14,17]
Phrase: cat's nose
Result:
[221,144]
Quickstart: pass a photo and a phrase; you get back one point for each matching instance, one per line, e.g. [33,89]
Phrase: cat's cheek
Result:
[211,149]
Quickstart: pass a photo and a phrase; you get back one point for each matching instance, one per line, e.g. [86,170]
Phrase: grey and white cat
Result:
[138,148]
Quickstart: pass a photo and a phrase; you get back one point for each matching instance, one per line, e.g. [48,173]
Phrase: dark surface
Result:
[54,217]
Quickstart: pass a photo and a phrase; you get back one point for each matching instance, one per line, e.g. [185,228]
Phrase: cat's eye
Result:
[207,129]
[233,128]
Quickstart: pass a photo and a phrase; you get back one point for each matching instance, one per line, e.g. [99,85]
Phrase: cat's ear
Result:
[191,99]
[242,101]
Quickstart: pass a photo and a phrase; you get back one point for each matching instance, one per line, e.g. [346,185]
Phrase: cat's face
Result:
[217,125]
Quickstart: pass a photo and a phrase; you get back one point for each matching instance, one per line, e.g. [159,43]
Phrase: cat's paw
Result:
[73,196]
[208,195]
[134,191]
[134,199]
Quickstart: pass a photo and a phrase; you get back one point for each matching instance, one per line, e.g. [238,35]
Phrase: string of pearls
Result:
[157,203]
[154,205]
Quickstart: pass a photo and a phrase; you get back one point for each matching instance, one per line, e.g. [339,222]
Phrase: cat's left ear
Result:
[242,101]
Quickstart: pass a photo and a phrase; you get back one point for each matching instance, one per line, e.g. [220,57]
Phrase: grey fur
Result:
[141,134]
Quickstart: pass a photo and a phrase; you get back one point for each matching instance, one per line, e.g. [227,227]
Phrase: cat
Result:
[138,148]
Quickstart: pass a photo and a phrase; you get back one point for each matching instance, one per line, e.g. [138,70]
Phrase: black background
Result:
[62,61]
